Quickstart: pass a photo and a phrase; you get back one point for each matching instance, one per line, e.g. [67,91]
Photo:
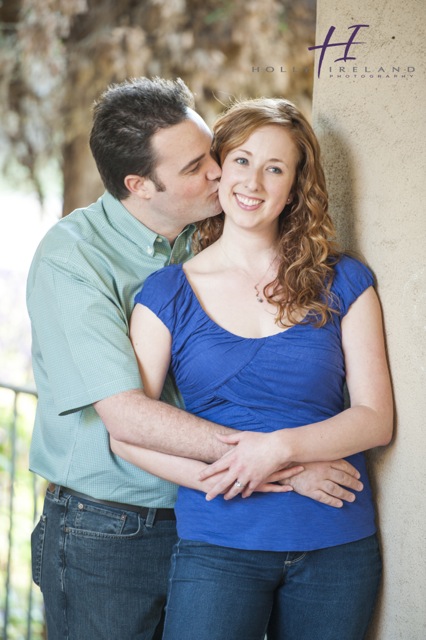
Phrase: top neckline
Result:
[218,326]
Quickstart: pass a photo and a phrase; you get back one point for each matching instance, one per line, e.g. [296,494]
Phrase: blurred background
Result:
[56,57]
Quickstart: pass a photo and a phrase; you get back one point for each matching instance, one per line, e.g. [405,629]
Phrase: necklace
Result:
[259,297]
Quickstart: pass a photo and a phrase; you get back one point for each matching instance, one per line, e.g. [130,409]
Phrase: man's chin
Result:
[211,210]
[216,209]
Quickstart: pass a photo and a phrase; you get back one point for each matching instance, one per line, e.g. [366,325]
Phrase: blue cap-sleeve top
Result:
[292,378]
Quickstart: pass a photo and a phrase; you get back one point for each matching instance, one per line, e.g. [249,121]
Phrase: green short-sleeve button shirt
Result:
[80,292]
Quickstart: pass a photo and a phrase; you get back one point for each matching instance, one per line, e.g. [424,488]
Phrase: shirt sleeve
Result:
[351,279]
[160,294]
[80,337]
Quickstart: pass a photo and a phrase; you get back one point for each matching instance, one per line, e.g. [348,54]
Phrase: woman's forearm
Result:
[357,429]
[185,471]
[182,471]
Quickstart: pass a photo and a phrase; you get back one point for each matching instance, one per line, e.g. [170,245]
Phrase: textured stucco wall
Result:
[373,136]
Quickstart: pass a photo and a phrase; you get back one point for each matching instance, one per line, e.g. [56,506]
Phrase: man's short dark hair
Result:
[125,118]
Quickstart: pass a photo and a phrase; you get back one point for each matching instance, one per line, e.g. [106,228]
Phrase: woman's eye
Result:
[241,160]
[274,170]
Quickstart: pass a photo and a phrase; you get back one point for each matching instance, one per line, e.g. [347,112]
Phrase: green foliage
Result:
[221,13]
[17,490]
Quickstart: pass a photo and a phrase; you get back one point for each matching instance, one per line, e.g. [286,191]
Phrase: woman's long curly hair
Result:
[306,247]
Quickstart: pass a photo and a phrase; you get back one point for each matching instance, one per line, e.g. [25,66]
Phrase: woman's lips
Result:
[247,202]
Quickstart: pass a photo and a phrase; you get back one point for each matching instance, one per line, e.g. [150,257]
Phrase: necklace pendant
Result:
[258,297]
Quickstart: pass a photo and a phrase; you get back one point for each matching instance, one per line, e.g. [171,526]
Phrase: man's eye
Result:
[195,168]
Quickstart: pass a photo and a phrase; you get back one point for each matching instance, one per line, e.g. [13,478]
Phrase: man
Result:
[102,547]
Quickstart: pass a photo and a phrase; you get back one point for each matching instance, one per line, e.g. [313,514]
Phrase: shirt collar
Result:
[126,224]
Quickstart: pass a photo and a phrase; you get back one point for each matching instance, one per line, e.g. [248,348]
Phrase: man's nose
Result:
[213,170]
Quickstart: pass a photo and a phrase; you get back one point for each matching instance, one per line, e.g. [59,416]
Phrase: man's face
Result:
[188,173]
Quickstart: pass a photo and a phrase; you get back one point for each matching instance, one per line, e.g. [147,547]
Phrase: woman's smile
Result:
[247,203]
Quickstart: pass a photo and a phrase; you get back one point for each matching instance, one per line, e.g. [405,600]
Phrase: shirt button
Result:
[150,251]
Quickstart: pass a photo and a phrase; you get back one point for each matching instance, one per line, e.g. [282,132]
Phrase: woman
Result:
[262,329]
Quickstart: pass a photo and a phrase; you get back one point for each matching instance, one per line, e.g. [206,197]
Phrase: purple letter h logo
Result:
[347,45]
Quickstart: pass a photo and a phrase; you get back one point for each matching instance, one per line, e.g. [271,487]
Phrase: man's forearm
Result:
[134,418]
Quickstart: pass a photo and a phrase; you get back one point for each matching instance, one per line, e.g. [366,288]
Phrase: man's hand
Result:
[326,482]
[250,463]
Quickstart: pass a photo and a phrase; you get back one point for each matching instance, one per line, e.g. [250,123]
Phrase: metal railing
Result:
[20,600]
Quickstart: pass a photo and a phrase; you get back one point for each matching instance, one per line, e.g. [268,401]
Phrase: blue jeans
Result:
[217,593]
[103,571]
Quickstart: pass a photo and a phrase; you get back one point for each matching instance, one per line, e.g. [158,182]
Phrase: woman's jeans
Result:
[103,571]
[218,593]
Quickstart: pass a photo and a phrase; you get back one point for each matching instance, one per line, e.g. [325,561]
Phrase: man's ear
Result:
[140,186]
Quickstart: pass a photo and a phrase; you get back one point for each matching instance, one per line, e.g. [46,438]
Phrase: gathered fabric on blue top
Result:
[286,380]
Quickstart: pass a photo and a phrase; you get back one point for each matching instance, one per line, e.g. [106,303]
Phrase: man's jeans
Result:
[218,593]
[103,571]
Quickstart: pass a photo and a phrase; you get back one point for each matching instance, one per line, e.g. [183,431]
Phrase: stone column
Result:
[370,115]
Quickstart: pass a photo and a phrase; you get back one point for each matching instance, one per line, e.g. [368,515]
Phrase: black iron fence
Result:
[21,609]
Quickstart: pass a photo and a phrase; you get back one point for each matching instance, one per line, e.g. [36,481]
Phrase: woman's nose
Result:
[253,181]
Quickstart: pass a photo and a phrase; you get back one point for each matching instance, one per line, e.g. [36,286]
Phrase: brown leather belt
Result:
[160,514]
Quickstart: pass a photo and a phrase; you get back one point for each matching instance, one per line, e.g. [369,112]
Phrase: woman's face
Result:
[257,178]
